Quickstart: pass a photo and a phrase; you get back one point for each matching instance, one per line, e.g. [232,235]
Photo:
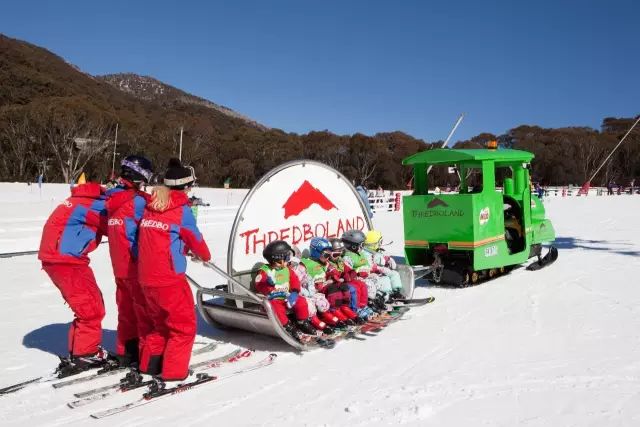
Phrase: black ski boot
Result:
[132,377]
[132,380]
[395,295]
[380,301]
[130,358]
[360,321]
[293,331]
[156,387]
[306,327]
[340,325]
[76,364]
[375,308]
[328,330]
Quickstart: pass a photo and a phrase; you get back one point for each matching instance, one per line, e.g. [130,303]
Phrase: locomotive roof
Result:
[452,155]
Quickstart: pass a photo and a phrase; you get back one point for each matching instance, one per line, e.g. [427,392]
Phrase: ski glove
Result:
[320,287]
[277,295]
[351,275]
[291,299]
[363,274]
[271,278]
[334,275]
[391,263]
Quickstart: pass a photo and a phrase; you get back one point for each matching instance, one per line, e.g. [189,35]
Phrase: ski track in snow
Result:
[557,347]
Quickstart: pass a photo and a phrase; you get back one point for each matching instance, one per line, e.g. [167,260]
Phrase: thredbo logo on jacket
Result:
[150,223]
[115,221]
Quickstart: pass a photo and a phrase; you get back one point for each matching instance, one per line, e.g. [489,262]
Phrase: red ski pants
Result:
[171,310]
[300,309]
[338,295]
[133,321]
[362,292]
[79,289]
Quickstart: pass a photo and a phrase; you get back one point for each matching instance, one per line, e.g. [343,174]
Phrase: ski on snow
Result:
[20,386]
[45,379]
[103,371]
[100,393]
[159,393]
[415,302]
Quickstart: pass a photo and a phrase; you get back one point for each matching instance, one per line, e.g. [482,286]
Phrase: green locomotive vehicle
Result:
[478,231]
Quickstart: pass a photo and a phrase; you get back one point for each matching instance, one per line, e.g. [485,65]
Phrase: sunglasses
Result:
[336,254]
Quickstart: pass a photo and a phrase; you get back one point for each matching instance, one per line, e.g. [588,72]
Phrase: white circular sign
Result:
[294,202]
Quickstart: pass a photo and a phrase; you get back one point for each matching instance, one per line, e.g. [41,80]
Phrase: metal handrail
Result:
[252,297]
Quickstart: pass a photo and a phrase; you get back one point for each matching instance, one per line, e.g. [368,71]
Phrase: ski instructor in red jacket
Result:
[125,206]
[167,233]
[73,230]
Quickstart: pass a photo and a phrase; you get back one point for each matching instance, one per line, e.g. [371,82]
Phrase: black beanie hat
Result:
[177,176]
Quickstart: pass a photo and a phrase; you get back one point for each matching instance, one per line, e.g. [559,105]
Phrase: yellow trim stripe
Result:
[476,244]
[421,243]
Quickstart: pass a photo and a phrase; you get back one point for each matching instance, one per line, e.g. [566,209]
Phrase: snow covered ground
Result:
[558,347]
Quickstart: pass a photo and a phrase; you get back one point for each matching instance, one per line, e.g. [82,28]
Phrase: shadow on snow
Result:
[595,245]
[53,339]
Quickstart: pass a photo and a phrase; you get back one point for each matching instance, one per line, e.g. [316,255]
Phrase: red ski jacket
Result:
[125,206]
[75,227]
[164,237]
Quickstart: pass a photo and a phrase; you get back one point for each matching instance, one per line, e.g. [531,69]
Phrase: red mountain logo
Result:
[303,198]
[437,202]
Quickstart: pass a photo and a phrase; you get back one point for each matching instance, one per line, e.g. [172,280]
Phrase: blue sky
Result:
[367,66]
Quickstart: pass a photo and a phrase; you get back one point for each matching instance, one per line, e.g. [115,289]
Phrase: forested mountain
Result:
[58,120]
[150,89]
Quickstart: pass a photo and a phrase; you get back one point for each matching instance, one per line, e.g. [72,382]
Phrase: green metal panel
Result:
[508,187]
[437,218]
[420,179]
[446,155]
[542,229]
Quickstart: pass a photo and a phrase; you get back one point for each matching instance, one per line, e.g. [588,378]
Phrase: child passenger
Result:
[390,282]
[327,282]
[318,304]
[369,273]
[281,285]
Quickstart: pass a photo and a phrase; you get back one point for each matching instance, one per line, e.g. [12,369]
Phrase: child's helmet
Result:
[278,250]
[373,240]
[317,245]
[353,240]
[336,244]
[136,169]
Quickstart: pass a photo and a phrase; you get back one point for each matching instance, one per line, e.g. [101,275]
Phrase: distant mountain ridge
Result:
[153,90]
